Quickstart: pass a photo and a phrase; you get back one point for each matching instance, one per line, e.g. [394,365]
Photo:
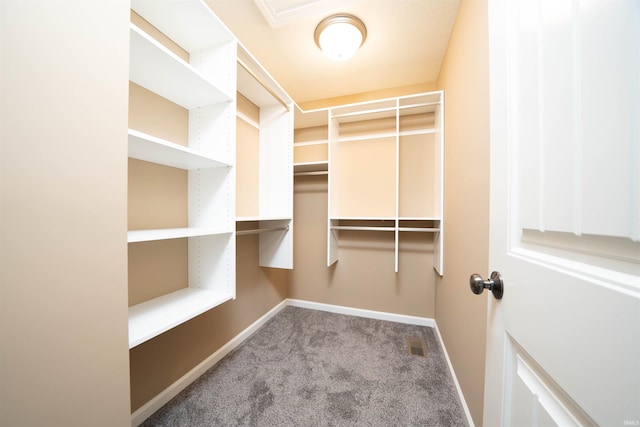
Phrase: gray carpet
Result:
[312,368]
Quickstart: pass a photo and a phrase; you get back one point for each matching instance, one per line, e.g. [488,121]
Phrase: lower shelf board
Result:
[134,236]
[151,318]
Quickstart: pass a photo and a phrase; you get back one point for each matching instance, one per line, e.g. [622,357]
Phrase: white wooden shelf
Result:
[420,229]
[307,143]
[381,135]
[322,166]
[419,225]
[159,70]
[361,228]
[374,114]
[259,218]
[362,218]
[191,24]
[419,218]
[151,149]
[257,85]
[135,236]
[151,318]
[367,137]
[416,132]
[419,108]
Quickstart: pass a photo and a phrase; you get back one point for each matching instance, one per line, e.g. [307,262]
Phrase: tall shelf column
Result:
[205,85]
[271,215]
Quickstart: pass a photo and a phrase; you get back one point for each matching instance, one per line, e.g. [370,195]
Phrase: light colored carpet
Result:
[313,368]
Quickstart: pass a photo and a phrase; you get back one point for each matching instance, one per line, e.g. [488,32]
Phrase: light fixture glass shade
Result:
[340,36]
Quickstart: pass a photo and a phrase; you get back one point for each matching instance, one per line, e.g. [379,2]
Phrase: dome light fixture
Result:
[340,36]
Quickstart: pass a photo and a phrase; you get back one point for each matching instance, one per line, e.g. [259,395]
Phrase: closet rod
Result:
[260,230]
[311,173]
[259,80]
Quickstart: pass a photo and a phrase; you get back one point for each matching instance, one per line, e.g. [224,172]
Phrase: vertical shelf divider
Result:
[397,177]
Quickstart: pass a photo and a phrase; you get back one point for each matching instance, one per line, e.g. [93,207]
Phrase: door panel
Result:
[575,100]
[537,400]
[564,342]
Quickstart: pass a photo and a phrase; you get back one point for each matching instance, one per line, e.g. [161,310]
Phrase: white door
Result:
[564,341]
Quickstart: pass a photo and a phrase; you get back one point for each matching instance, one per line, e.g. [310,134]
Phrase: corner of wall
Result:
[460,315]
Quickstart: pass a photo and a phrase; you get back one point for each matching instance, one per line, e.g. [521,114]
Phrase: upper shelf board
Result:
[385,113]
[159,70]
[261,218]
[253,90]
[256,84]
[189,23]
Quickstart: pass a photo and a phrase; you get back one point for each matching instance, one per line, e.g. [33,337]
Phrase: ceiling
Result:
[405,44]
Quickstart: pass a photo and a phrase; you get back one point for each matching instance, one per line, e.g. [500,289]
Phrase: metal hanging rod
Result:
[262,83]
[260,230]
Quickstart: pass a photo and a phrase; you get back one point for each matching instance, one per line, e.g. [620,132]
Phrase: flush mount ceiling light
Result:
[340,36]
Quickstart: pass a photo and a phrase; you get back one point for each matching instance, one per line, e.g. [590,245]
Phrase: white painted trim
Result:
[463,402]
[145,411]
[380,315]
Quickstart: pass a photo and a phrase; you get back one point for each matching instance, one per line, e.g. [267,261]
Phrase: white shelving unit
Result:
[206,86]
[311,143]
[385,165]
[273,218]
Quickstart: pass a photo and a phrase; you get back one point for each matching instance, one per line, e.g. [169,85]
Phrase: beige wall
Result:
[460,315]
[63,295]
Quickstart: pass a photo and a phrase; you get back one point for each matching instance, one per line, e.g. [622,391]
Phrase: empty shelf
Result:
[151,149]
[159,70]
[153,317]
[134,236]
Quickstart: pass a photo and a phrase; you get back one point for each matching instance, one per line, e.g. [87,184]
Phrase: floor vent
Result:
[416,347]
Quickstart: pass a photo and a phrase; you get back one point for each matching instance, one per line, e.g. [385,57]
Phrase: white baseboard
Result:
[380,315]
[463,402]
[170,392]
